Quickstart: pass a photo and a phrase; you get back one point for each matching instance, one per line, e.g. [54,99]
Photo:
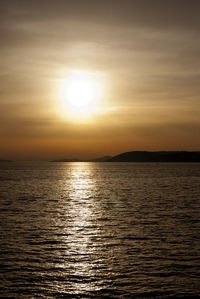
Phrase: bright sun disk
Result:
[80,93]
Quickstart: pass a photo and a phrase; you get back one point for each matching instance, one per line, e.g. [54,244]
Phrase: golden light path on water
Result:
[82,210]
[90,228]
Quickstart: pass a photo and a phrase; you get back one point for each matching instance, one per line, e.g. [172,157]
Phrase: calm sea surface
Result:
[99,230]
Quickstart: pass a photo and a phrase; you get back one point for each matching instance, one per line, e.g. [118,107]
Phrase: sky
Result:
[143,55]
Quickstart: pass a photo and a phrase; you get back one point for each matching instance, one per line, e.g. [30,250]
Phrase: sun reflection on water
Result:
[82,212]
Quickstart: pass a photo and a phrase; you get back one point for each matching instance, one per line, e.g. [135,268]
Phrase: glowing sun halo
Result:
[80,93]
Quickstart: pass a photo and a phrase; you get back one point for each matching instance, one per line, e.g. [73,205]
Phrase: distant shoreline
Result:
[145,156]
[133,156]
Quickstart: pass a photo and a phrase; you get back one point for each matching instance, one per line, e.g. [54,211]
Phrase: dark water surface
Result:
[99,230]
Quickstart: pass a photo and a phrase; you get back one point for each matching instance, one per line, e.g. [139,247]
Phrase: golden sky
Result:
[143,55]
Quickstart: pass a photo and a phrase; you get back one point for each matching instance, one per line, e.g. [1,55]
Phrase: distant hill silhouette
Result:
[144,156]
[164,156]
[66,160]
[99,159]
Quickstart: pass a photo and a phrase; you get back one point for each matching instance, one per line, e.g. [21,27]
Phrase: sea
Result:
[99,230]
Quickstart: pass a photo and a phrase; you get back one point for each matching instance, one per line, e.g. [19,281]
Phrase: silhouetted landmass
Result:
[99,159]
[164,156]
[3,161]
[144,156]
[66,160]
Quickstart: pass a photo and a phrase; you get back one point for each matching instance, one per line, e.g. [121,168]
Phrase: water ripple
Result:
[99,230]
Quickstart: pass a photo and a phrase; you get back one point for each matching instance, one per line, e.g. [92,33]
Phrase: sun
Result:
[80,90]
[80,95]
